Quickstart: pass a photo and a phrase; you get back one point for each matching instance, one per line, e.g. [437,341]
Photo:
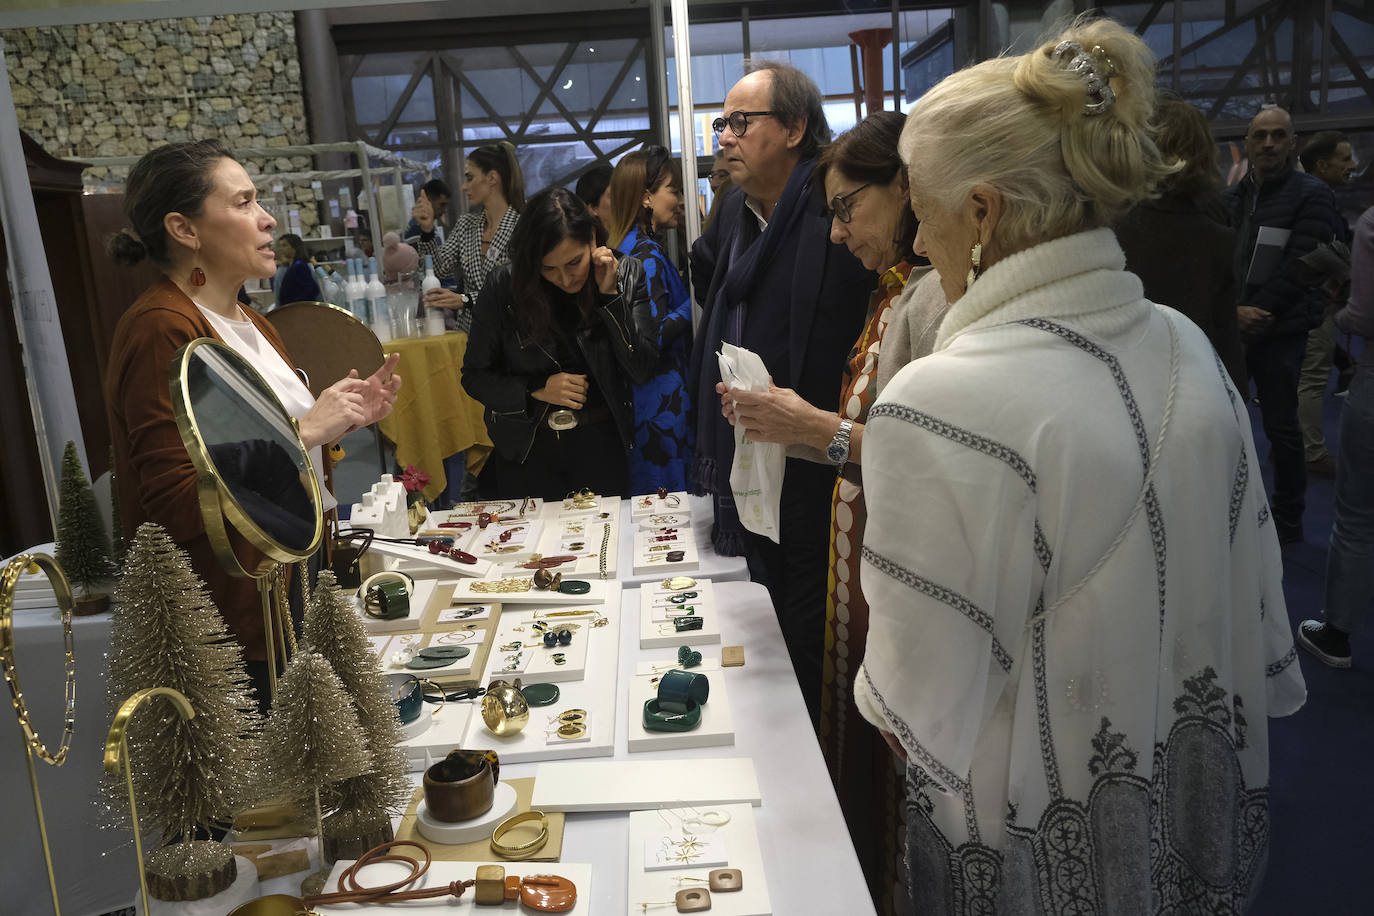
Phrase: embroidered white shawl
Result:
[1122,738]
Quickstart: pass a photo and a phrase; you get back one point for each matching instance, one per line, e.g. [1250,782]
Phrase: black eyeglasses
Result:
[842,208]
[738,122]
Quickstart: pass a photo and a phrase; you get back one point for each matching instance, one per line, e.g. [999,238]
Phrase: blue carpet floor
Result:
[1321,857]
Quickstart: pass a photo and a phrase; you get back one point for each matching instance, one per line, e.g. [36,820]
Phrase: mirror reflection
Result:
[252,444]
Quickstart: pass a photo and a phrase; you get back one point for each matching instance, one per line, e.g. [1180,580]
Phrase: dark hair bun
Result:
[125,249]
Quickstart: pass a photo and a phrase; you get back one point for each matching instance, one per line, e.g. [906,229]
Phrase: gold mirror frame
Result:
[33,746]
[216,501]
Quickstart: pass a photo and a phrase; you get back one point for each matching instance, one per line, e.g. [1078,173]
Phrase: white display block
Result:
[445,732]
[418,727]
[449,833]
[469,613]
[418,641]
[523,542]
[419,558]
[565,509]
[562,537]
[536,662]
[717,726]
[596,693]
[442,873]
[633,785]
[677,503]
[468,512]
[656,629]
[599,593]
[741,841]
[658,521]
[649,560]
[419,600]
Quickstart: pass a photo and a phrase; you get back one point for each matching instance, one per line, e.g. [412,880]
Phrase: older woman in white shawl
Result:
[1077,623]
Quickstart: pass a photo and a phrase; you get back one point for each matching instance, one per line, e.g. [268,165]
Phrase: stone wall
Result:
[122,88]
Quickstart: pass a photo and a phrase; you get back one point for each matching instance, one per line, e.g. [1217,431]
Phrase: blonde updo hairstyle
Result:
[1018,125]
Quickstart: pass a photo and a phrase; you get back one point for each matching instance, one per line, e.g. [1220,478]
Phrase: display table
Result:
[809,863]
[434,417]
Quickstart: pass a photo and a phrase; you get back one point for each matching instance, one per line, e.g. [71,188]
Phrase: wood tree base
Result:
[90,605]
[192,870]
[342,840]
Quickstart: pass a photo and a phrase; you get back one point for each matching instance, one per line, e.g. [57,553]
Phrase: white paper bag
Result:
[757,471]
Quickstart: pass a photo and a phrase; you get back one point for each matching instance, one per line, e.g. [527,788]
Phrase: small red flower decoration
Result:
[414,479]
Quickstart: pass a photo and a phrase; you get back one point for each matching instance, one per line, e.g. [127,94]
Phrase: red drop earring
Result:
[197,277]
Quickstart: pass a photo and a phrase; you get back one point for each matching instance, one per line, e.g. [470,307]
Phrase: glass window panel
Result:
[421,104]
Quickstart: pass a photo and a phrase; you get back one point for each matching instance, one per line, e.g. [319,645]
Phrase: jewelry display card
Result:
[394,660]
[419,559]
[519,643]
[441,873]
[685,849]
[420,600]
[657,521]
[741,841]
[504,508]
[610,505]
[634,785]
[501,543]
[462,613]
[657,630]
[595,693]
[587,539]
[477,591]
[650,504]
[654,552]
[446,730]
[717,726]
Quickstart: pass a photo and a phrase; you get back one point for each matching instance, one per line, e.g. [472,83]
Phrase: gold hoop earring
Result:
[975,264]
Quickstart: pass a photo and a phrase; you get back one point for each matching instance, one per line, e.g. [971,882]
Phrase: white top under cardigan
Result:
[1111,756]
[244,338]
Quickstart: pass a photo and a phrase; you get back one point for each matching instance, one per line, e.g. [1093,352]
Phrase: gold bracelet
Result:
[521,850]
[63,592]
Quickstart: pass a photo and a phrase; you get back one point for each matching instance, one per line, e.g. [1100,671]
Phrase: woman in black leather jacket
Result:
[559,337]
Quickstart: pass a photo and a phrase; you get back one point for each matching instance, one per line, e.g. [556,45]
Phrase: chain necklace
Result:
[605,542]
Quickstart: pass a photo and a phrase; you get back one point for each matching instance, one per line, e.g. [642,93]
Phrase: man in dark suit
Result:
[1278,304]
[771,281]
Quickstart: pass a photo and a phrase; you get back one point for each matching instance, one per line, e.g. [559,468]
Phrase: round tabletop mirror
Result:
[250,463]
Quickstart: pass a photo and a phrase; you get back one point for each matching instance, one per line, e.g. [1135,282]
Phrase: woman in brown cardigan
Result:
[194,212]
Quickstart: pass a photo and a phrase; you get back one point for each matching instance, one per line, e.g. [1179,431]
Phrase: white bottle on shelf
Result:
[376,303]
[434,318]
[354,290]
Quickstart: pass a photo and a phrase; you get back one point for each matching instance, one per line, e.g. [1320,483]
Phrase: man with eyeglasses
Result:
[769,279]
[1285,214]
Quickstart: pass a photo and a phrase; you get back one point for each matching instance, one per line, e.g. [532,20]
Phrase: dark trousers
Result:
[590,456]
[1274,365]
[795,571]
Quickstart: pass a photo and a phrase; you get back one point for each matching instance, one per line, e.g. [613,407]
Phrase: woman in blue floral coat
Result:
[646,197]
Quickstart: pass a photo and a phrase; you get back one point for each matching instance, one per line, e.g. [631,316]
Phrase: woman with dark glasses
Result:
[866,187]
[646,198]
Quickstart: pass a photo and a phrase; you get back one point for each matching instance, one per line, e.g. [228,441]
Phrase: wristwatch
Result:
[838,450]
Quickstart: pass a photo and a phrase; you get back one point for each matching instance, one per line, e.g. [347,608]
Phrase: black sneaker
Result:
[1326,642]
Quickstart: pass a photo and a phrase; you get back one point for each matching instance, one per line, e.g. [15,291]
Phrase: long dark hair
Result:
[643,170]
[549,217]
[868,152]
[175,178]
[500,158]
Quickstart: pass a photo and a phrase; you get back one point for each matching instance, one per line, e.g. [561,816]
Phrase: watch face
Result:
[837,453]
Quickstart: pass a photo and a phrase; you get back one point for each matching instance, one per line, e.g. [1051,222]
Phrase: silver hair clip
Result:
[1095,67]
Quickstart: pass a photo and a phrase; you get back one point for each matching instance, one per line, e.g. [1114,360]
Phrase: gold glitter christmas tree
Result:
[362,819]
[83,547]
[189,775]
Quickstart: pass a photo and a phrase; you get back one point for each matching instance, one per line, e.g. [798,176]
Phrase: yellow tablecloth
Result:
[434,417]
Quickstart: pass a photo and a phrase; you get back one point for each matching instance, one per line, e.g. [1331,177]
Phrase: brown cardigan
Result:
[152,470]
